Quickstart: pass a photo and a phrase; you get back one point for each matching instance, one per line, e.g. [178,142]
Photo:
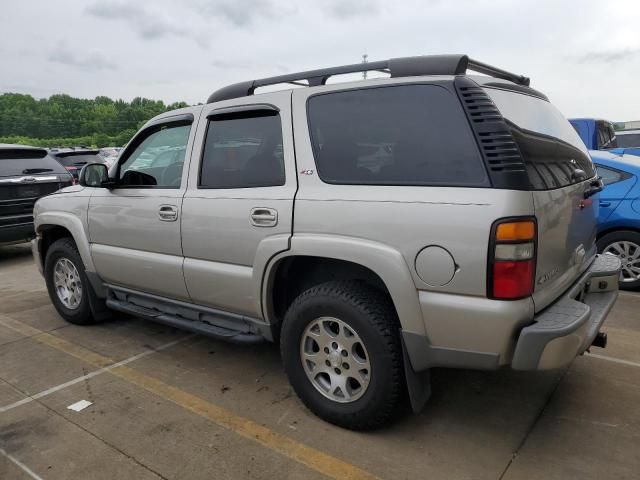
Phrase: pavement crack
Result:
[110,445]
[533,424]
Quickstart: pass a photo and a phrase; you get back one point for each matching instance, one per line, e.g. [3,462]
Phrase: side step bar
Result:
[201,327]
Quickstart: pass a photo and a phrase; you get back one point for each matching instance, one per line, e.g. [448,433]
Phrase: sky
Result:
[585,55]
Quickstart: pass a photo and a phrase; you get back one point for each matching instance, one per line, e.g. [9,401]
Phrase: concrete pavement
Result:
[179,406]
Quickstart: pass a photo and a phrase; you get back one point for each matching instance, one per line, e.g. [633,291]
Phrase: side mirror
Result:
[94,175]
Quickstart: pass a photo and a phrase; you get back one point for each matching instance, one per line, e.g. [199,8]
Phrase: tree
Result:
[62,120]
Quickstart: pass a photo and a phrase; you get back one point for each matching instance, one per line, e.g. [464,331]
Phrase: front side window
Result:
[158,160]
[399,135]
[243,151]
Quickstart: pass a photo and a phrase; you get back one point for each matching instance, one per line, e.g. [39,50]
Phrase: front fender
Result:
[386,262]
[74,225]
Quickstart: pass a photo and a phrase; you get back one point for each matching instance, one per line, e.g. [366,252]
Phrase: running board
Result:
[196,326]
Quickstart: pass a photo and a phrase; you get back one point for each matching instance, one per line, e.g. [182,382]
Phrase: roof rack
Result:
[396,67]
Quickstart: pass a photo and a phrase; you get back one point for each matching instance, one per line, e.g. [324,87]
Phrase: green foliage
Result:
[62,120]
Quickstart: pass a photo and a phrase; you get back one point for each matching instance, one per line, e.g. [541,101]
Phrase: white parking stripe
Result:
[22,466]
[615,360]
[57,388]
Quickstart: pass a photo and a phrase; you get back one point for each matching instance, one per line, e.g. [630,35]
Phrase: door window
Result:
[158,159]
[243,150]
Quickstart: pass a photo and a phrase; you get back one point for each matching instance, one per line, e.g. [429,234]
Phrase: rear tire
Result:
[67,283]
[358,350]
[625,244]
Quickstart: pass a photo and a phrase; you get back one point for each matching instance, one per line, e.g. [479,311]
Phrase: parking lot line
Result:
[310,457]
[62,386]
[20,465]
[615,360]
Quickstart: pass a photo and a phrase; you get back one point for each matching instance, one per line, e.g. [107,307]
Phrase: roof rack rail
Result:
[396,67]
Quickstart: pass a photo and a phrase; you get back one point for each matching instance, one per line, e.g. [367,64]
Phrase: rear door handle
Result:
[605,204]
[168,213]
[263,217]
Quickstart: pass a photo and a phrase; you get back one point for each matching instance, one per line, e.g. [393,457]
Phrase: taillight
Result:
[512,259]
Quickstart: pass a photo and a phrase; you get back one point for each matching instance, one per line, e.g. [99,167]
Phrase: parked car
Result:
[74,159]
[628,142]
[466,240]
[597,134]
[26,174]
[619,217]
[110,154]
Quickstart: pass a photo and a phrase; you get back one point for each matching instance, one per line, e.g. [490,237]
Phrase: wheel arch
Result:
[52,226]
[615,229]
[314,259]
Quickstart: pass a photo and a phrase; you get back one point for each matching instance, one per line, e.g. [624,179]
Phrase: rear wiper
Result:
[595,186]
[36,170]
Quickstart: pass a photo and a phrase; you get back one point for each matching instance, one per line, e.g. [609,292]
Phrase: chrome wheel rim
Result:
[335,359]
[629,255]
[66,281]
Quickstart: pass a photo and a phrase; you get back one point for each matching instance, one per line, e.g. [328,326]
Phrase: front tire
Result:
[340,345]
[67,282]
[624,244]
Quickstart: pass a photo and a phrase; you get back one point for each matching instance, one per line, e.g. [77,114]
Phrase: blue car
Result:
[619,217]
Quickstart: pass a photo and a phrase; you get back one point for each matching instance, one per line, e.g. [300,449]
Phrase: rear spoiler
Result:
[73,153]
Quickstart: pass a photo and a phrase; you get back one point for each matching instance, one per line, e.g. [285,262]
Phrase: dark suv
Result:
[26,174]
[74,160]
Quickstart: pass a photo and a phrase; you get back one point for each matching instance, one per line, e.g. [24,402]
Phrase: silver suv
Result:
[375,229]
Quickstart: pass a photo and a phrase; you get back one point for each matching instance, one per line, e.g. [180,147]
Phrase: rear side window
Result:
[552,151]
[243,151]
[400,135]
[610,175]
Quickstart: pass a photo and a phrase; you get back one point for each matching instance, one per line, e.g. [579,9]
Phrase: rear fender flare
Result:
[383,260]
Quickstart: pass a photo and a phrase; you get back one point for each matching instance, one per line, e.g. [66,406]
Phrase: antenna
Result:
[364,60]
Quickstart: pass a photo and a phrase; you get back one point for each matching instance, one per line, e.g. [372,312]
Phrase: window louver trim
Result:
[501,154]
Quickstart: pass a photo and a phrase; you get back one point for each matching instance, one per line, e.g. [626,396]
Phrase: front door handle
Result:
[168,213]
[263,217]
[605,204]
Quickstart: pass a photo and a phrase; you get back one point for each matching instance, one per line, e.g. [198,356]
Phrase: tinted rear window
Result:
[17,162]
[629,140]
[400,135]
[550,146]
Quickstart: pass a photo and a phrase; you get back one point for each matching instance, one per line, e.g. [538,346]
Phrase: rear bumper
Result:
[567,328]
[22,232]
